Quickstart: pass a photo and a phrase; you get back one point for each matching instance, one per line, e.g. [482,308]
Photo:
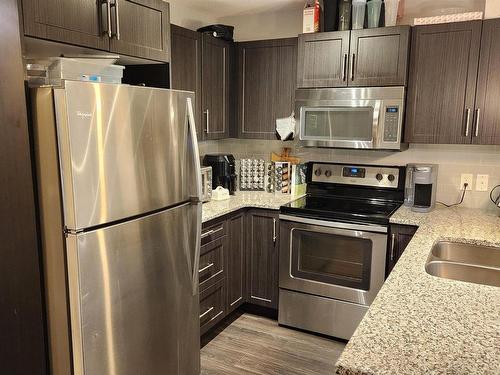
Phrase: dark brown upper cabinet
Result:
[185,67]
[138,28]
[266,85]
[262,258]
[217,57]
[322,59]
[442,83]
[379,57]
[369,57]
[487,113]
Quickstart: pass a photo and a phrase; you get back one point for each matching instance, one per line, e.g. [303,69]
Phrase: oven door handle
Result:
[335,224]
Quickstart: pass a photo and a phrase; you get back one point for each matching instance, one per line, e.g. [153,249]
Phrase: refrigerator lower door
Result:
[134,298]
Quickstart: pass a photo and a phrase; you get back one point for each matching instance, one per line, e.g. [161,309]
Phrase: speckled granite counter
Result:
[421,324]
[244,199]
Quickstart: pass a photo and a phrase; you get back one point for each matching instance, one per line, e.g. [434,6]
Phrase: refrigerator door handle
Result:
[197,198]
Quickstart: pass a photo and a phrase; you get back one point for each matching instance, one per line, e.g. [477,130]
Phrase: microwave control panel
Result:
[391,124]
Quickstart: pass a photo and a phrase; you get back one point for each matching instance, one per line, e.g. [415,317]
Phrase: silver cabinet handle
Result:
[467,122]
[108,17]
[352,66]
[344,67]
[210,265]
[274,230]
[211,231]
[393,245]
[206,312]
[207,129]
[117,19]
[478,114]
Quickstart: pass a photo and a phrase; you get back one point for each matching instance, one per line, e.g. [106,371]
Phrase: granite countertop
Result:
[422,324]
[244,199]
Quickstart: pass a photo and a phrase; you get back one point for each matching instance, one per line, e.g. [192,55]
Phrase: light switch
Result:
[482,182]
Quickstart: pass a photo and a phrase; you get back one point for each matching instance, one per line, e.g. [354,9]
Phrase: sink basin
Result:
[464,262]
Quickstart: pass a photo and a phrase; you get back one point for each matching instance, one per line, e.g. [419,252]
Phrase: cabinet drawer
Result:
[212,306]
[213,232]
[211,266]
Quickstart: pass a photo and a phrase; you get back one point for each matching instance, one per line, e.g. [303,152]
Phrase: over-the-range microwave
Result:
[358,118]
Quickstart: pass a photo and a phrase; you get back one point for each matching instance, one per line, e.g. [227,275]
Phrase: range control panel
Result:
[376,176]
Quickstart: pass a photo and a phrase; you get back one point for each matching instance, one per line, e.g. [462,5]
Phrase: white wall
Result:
[492,9]
[187,17]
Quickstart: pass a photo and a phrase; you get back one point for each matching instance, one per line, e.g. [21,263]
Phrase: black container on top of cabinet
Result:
[330,16]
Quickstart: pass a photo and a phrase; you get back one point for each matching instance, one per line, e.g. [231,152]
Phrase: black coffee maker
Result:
[223,170]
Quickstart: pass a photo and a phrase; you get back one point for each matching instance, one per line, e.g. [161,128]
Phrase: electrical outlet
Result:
[466,178]
[482,182]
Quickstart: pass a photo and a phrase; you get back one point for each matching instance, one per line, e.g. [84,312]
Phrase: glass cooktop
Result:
[342,208]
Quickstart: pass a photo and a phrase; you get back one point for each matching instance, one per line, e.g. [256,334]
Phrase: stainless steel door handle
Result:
[274,230]
[344,67]
[117,19]
[208,266]
[207,124]
[107,30]
[352,66]
[478,114]
[206,312]
[212,231]
[467,122]
[393,245]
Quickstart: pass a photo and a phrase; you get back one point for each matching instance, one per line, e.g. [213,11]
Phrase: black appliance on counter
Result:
[223,170]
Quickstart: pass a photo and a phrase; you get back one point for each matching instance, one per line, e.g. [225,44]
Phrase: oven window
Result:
[339,123]
[331,258]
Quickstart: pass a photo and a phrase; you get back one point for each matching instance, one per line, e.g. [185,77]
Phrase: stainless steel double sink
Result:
[465,262]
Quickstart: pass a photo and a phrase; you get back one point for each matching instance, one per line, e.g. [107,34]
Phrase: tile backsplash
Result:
[453,160]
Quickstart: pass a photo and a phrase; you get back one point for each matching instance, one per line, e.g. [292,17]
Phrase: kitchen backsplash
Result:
[453,160]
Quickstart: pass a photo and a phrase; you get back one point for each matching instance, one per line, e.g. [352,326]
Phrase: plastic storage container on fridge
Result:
[79,69]
[358,14]
[373,10]
[391,12]
[344,15]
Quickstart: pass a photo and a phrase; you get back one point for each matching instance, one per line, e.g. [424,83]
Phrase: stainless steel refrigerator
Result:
[119,192]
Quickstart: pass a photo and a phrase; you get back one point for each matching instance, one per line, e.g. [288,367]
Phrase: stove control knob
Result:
[317,172]
[379,177]
[391,177]
[328,173]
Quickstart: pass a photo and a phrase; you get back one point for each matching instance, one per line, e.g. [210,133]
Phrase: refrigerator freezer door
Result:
[132,305]
[123,151]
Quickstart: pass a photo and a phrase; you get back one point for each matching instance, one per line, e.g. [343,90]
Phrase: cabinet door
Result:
[79,22]
[442,82]
[322,59]
[487,117]
[262,279]
[141,28]
[185,66]
[400,237]
[216,60]
[235,276]
[379,57]
[266,85]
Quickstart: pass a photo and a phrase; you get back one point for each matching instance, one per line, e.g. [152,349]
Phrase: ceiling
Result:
[225,8]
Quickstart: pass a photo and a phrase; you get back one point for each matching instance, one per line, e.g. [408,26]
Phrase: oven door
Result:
[336,260]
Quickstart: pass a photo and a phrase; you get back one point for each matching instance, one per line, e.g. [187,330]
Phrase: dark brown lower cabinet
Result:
[399,237]
[212,305]
[235,275]
[262,258]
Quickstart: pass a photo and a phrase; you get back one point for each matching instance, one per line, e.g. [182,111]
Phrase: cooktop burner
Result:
[342,208]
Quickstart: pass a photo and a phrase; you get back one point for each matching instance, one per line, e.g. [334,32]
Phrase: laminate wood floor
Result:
[257,345]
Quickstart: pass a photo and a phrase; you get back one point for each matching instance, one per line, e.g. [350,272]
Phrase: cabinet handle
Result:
[467,122]
[352,66]
[393,245]
[274,230]
[211,231]
[207,129]
[117,19]
[478,114]
[108,17]
[206,312]
[210,265]
[344,67]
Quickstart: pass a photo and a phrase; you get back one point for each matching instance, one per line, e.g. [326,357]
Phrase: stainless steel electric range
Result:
[334,245]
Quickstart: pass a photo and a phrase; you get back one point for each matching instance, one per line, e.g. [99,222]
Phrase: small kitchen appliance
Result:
[334,245]
[223,170]
[420,189]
